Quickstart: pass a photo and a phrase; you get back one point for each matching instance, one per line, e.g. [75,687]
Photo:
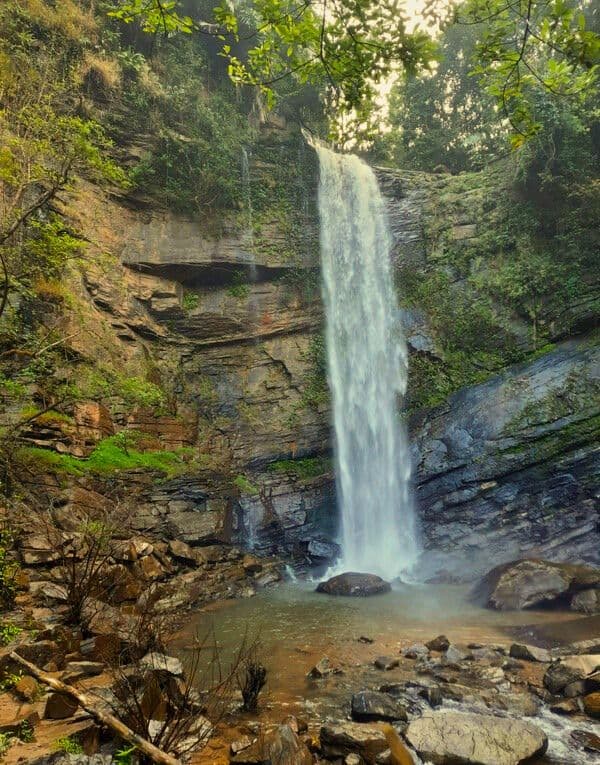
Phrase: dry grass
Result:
[66,18]
[100,75]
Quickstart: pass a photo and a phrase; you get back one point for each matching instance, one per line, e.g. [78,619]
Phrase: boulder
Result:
[150,568]
[59,706]
[281,746]
[182,552]
[439,643]
[586,740]
[444,738]
[49,590]
[532,583]
[570,674]
[340,739]
[41,652]
[587,601]
[354,585]
[369,706]
[529,653]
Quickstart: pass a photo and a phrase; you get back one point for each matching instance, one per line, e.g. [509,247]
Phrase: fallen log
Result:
[105,718]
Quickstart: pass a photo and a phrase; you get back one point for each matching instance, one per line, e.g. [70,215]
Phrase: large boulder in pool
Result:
[446,737]
[354,585]
[532,583]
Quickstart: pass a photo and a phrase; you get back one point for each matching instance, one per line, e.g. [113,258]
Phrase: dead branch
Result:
[104,718]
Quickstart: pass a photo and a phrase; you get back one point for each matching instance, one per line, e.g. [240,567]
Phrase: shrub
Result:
[9,632]
[68,745]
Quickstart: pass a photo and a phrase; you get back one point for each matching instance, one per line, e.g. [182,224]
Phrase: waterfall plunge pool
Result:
[297,627]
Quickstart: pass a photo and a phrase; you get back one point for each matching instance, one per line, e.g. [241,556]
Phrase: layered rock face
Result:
[229,312]
[507,468]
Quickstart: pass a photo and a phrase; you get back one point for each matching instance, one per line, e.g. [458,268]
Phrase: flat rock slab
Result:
[340,739]
[353,584]
[446,738]
[529,653]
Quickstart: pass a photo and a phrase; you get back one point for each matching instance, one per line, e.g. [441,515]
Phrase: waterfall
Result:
[367,367]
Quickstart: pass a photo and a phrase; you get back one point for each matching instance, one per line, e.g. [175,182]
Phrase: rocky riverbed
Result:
[349,680]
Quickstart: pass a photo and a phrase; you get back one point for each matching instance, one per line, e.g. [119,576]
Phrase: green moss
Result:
[316,390]
[308,467]
[560,441]
[109,456]
[50,417]
[245,486]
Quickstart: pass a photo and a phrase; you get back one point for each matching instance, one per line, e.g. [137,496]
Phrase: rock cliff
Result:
[226,315]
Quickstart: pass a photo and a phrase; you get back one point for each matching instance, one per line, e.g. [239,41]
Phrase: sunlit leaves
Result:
[527,46]
[154,15]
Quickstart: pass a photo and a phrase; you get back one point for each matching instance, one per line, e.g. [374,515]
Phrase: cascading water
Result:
[367,367]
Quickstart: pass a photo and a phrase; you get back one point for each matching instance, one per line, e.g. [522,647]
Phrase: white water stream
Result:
[367,367]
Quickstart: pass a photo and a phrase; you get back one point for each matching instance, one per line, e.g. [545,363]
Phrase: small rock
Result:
[353,759]
[416,651]
[281,745]
[139,548]
[241,744]
[439,643]
[321,669]
[566,707]
[355,585]
[27,688]
[586,740]
[365,639]
[182,551]
[386,662]
[85,668]
[159,661]
[591,704]
[529,653]
[251,564]
[60,706]
[454,655]
[370,706]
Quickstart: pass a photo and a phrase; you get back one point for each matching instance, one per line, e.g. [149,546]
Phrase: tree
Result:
[44,145]
[346,47]
[528,46]
[443,118]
